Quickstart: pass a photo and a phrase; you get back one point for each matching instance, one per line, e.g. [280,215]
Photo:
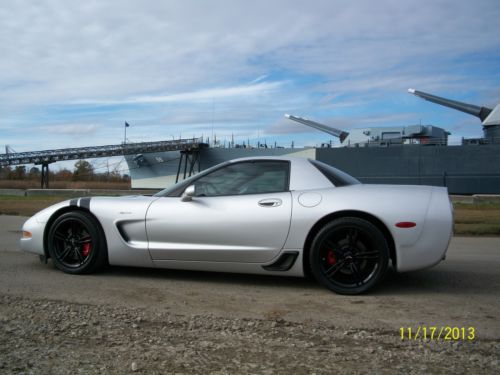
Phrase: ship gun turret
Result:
[490,118]
[342,135]
[381,136]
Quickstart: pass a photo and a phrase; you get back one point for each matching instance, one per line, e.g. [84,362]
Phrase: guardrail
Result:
[73,193]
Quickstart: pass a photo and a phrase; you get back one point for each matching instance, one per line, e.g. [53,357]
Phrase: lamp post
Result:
[125,135]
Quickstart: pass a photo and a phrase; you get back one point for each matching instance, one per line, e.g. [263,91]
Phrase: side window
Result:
[255,177]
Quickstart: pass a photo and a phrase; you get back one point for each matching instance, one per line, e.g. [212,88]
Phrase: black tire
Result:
[349,255]
[76,243]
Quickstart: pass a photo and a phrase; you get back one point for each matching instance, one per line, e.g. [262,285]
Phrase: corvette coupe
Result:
[268,215]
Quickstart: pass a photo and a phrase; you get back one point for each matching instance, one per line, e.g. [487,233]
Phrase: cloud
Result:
[107,49]
[194,96]
[72,129]
[168,63]
[259,79]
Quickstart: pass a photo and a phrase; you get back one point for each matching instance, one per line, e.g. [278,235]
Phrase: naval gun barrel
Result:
[481,112]
[316,125]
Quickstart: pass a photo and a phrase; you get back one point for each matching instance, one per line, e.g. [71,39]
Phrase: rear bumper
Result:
[433,242]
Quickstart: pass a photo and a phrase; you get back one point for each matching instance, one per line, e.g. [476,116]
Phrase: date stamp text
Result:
[436,333]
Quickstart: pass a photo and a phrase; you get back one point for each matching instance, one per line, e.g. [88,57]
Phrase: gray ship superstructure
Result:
[381,136]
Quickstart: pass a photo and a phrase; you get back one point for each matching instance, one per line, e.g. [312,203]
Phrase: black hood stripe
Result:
[85,203]
[80,202]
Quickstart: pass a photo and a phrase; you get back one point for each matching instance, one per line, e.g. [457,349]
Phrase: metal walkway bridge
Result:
[46,157]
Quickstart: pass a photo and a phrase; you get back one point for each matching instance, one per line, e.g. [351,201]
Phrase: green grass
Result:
[26,206]
[479,219]
[477,206]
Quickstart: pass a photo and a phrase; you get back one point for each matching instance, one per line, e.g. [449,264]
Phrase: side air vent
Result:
[284,262]
[122,232]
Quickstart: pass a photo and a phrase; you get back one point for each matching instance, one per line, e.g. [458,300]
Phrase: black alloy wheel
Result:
[349,255]
[76,243]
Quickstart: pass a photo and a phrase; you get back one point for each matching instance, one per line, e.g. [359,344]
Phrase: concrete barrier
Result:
[14,192]
[462,198]
[483,198]
[58,192]
[70,193]
[476,198]
[110,192]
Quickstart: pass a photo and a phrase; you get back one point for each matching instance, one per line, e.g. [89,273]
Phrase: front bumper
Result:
[33,244]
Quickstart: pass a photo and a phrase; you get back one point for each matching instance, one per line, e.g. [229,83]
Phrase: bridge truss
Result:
[46,157]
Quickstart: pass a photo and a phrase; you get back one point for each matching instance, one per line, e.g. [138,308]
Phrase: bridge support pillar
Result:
[45,176]
[191,158]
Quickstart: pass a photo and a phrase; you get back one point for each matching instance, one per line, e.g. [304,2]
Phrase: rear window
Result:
[336,176]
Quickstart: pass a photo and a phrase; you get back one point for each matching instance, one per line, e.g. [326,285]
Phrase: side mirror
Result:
[188,194]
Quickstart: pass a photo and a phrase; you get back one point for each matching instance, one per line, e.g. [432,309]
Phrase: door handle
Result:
[270,202]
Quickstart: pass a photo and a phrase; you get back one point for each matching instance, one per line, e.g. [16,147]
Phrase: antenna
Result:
[213,115]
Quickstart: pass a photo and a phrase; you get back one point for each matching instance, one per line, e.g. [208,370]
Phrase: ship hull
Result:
[466,169]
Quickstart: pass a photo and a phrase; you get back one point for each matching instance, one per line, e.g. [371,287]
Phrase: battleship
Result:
[409,155]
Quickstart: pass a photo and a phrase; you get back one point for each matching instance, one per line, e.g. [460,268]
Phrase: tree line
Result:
[83,171]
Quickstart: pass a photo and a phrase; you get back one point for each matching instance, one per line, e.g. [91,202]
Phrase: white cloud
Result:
[195,96]
[163,61]
[107,49]
[71,129]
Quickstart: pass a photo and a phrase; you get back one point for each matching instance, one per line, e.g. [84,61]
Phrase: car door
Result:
[239,213]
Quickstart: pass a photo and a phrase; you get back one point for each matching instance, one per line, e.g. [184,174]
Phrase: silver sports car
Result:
[271,215]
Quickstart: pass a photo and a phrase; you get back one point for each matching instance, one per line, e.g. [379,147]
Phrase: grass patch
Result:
[479,219]
[480,229]
[486,206]
[26,206]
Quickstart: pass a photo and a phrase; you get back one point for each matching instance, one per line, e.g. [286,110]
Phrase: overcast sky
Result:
[72,72]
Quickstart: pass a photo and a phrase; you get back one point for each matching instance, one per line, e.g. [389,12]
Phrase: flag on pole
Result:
[126,124]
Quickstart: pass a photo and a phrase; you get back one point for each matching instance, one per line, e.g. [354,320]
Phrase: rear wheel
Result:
[76,243]
[349,255]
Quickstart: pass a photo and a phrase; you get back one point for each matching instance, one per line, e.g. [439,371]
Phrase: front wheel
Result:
[349,255]
[76,243]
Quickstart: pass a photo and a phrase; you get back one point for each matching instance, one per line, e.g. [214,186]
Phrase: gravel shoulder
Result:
[40,336]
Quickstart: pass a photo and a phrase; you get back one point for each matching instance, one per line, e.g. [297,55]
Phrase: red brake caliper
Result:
[331,258]
[86,249]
